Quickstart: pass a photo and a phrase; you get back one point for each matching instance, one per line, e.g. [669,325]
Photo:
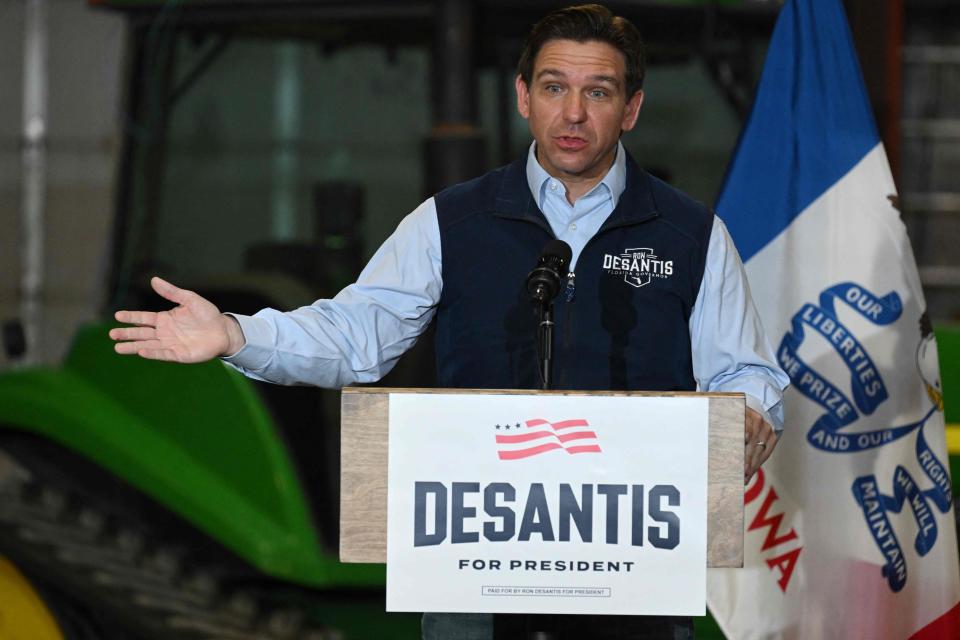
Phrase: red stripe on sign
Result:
[526,453]
[524,437]
[566,424]
[579,435]
[536,422]
[563,424]
[584,448]
[946,626]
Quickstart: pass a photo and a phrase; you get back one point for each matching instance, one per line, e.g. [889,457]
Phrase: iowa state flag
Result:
[849,531]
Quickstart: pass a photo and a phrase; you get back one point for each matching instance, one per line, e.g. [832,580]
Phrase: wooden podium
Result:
[363,469]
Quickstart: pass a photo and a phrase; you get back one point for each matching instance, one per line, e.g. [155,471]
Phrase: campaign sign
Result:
[547,504]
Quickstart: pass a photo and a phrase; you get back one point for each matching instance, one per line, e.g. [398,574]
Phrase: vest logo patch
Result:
[637,266]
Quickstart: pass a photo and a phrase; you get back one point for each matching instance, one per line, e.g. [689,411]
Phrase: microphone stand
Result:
[545,331]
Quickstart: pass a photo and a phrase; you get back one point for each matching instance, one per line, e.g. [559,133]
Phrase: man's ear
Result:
[523,97]
[632,111]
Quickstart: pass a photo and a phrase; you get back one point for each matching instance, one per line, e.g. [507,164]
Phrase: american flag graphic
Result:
[538,436]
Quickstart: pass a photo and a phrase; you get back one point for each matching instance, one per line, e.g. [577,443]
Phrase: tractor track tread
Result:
[108,568]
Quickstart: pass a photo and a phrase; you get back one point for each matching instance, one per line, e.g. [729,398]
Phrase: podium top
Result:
[549,392]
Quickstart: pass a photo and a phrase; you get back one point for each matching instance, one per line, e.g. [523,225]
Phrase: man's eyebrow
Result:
[608,79]
[551,72]
[612,80]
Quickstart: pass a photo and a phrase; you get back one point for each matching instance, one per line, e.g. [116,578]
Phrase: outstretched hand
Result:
[193,331]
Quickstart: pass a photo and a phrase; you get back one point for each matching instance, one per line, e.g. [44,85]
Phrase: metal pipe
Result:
[455,78]
[455,148]
[287,129]
[34,156]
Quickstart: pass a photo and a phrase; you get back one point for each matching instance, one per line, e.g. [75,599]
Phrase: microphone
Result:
[543,283]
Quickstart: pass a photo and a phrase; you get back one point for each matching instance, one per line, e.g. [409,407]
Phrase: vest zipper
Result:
[571,286]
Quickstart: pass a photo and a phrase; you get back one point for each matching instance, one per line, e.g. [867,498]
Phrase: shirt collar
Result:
[615,180]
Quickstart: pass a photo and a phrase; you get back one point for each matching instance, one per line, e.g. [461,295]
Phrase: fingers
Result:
[141,341]
[759,441]
[135,347]
[757,453]
[169,291]
[149,349]
[131,340]
[144,318]
[771,440]
[133,333]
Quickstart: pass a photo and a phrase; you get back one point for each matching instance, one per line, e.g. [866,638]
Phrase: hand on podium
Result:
[759,441]
[193,331]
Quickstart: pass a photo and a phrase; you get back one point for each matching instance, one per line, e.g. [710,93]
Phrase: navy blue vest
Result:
[627,324]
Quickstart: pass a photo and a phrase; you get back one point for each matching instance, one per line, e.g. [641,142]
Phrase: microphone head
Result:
[543,283]
[557,254]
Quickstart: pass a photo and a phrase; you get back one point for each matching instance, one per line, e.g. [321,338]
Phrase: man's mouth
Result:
[570,143]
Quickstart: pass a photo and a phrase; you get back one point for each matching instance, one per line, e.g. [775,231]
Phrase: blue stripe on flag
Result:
[810,124]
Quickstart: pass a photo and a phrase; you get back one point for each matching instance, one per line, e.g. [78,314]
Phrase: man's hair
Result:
[584,23]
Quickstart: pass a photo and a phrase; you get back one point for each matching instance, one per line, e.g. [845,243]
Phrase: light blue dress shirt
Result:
[359,335]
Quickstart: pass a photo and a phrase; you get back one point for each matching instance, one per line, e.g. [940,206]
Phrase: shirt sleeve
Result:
[730,348]
[359,335]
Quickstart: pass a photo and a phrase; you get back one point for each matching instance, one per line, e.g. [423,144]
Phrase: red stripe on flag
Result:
[524,437]
[584,448]
[526,453]
[946,626]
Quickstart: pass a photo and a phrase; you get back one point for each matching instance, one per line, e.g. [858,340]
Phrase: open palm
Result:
[193,331]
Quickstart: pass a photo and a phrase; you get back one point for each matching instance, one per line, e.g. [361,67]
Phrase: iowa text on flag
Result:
[850,528]
[538,436]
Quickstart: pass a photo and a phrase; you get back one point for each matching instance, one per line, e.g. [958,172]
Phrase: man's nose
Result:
[574,109]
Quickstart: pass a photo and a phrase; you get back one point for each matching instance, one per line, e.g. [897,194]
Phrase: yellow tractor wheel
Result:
[23,615]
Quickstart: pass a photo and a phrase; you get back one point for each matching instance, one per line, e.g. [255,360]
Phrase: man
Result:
[685,320]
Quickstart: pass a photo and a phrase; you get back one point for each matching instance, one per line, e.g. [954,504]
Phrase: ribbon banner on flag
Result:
[850,531]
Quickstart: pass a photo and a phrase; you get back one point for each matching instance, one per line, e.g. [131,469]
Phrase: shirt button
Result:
[553,186]
[573,227]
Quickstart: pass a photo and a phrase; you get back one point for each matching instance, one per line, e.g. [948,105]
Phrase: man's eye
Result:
[598,93]
[552,88]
